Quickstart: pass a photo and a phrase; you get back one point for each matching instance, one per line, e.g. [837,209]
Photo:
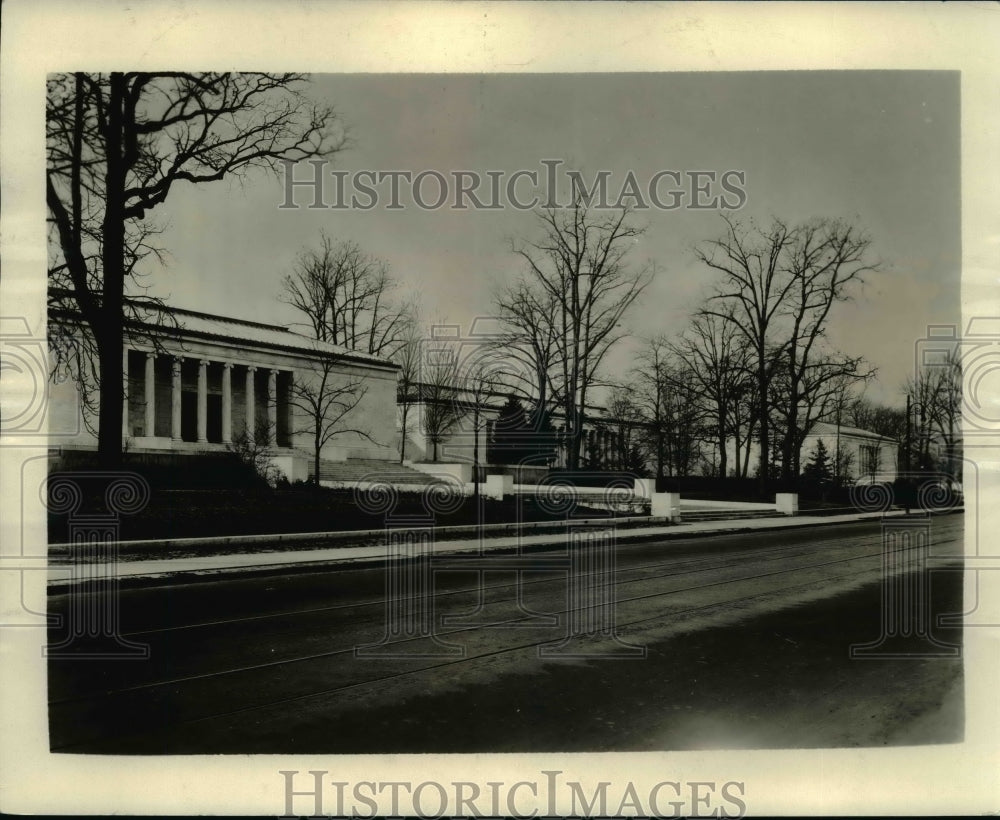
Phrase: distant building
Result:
[602,436]
[864,456]
[196,381]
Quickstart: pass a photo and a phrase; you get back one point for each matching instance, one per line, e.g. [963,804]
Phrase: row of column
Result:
[605,443]
[202,413]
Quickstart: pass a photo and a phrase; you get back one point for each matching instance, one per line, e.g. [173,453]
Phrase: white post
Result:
[175,400]
[787,503]
[150,427]
[227,402]
[202,401]
[667,505]
[498,486]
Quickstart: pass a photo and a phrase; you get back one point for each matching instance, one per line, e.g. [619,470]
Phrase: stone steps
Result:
[370,470]
[726,515]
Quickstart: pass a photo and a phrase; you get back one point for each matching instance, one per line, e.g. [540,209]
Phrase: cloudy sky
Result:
[879,148]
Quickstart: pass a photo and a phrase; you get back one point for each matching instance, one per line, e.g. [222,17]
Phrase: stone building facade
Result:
[195,382]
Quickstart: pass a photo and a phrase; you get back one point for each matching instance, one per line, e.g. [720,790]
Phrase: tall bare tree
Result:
[577,269]
[778,287]
[441,392]
[935,393]
[118,143]
[650,390]
[408,386]
[482,380]
[720,367]
[325,397]
[530,343]
[750,295]
[824,260]
[346,297]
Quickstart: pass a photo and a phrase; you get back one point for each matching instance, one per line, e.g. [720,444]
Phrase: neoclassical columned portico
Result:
[205,406]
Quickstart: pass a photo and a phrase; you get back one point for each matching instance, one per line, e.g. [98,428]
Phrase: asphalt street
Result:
[733,641]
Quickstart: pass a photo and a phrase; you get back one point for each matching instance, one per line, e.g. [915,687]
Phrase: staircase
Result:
[356,470]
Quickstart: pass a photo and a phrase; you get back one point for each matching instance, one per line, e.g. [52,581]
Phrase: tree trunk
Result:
[110,335]
[765,437]
[402,438]
[475,453]
[723,462]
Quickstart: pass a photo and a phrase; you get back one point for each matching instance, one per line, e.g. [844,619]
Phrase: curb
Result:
[634,535]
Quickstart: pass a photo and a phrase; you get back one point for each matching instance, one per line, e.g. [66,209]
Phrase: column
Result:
[175,399]
[202,401]
[272,407]
[251,412]
[125,430]
[150,427]
[227,402]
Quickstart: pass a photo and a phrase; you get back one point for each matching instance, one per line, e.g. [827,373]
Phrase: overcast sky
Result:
[879,148]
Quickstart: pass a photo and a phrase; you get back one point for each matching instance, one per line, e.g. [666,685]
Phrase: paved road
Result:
[745,642]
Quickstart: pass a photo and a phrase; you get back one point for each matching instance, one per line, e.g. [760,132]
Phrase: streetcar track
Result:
[494,653]
[442,633]
[789,551]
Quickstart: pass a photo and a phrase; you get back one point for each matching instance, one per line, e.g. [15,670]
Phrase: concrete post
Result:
[667,505]
[498,486]
[787,503]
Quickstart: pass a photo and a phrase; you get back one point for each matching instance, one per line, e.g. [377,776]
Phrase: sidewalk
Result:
[212,566]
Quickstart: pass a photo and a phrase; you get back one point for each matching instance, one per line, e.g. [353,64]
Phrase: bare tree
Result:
[935,394]
[628,452]
[824,260]
[408,386]
[255,451]
[719,364]
[325,397]
[346,298]
[530,339]
[650,394]
[778,288]
[482,381]
[116,146]
[578,271]
[751,294]
[441,388]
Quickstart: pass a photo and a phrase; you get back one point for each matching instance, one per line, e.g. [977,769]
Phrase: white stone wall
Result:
[848,444]
[375,413]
